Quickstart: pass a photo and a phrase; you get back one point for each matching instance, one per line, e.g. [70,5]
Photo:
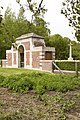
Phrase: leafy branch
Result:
[36,10]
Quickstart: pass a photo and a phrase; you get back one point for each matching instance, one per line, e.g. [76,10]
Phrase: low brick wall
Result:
[47,65]
[4,63]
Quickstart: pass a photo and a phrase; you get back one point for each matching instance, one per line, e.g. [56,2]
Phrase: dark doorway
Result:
[21,56]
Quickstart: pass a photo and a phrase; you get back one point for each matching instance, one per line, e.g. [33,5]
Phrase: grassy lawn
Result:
[11,71]
[34,95]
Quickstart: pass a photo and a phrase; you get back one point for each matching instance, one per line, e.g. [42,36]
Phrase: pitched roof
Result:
[29,35]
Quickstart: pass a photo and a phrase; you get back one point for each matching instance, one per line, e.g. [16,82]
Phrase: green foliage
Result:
[18,83]
[36,9]
[71,10]
[39,82]
[68,105]
[13,27]
[41,27]
[75,51]
[11,116]
[47,42]
[68,65]
[2,78]
[65,105]
[56,105]
[61,46]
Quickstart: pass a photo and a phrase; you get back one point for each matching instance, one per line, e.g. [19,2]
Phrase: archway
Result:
[21,56]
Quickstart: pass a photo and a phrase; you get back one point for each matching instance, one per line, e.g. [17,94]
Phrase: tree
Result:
[61,46]
[0,14]
[34,8]
[75,50]
[12,27]
[41,27]
[71,10]
[23,26]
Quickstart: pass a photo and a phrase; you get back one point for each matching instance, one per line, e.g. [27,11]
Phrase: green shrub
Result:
[39,82]
[10,81]
[39,89]
[18,83]
[24,84]
[2,78]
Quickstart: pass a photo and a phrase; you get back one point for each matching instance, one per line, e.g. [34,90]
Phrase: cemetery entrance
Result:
[21,56]
[29,51]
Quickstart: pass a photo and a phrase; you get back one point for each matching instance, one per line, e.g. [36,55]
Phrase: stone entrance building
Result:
[29,51]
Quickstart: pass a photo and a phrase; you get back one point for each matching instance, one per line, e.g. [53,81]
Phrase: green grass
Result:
[11,71]
[22,80]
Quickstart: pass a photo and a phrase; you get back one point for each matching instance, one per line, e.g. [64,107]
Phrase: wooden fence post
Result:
[76,68]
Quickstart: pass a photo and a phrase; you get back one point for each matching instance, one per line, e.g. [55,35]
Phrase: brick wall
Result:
[9,59]
[27,45]
[35,59]
[47,65]
[3,63]
[14,58]
[27,58]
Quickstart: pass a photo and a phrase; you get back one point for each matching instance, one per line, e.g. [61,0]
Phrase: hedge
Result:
[68,65]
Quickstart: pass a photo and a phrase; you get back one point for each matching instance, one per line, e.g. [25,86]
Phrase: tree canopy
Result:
[61,46]
[37,9]
[12,27]
[71,10]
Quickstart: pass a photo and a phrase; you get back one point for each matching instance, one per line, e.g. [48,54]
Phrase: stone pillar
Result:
[24,58]
[41,57]
[70,52]
[17,58]
[12,55]
[31,48]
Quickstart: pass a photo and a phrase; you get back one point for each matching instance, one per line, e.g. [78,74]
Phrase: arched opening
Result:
[21,56]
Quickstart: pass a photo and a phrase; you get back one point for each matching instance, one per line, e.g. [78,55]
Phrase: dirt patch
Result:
[30,106]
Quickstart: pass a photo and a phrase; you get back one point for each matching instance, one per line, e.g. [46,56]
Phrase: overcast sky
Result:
[58,22]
